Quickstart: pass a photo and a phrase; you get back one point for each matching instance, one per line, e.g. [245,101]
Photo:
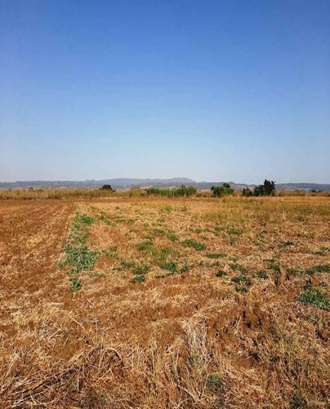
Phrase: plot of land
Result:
[171,303]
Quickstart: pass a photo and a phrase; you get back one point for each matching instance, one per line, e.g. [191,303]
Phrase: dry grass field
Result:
[134,302]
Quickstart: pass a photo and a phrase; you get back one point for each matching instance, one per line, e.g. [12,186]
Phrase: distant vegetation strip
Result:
[268,188]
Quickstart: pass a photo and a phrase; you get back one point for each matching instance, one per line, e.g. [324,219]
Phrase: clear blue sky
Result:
[215,90]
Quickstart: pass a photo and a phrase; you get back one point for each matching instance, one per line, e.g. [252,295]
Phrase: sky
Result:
[219,90]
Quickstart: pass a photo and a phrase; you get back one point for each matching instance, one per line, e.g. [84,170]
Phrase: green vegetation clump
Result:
[139,278]
[146,245]
[85,219]
[141,269]
[267,189]
[75,284]
[215,383]
[241,280]
[322,268]
[194,244]
[183,191]
[298,401]
[262,274]
[172,236]
[170,266]
[108,188]
[80,258]
[220,273]
[184,268]
[77,255]
[315,297]
[220,191]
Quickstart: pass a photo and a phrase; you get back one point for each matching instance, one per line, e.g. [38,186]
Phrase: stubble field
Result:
[165,303]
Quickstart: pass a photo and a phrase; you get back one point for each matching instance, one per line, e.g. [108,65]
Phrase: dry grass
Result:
[192,303]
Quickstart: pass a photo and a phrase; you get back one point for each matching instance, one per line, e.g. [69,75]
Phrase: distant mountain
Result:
[124,183]
[117,183]
[323,187]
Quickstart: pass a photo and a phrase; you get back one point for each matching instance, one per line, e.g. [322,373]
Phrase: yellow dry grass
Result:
[186,303]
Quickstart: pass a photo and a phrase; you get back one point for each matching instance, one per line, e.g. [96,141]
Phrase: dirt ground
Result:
[165,303]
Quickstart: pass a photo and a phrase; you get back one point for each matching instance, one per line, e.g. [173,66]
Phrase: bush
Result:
[224,190]
[174,192]
[107,187]
[247,192]
[267,189]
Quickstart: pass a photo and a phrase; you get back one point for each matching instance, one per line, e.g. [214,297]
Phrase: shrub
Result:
[107,187]
[172,192]
[267,189]
[224,190]
[247,192]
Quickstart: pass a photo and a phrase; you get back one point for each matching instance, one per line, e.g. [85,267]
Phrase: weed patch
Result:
[322,268]
[171,266]
[138,279]
[194,244]
[77,255]
[75,284]
[315,297]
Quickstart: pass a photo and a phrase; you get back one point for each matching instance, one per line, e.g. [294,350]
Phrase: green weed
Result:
[139,278]
[322,268]
[315,297]
[75,284]
[170,266]
[194,244]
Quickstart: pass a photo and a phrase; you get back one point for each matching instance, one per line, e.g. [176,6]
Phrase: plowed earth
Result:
[148,303]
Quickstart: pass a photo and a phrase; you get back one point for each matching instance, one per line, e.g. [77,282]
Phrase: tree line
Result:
[266,189]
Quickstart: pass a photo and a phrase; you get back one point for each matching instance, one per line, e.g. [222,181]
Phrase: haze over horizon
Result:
[218,91]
